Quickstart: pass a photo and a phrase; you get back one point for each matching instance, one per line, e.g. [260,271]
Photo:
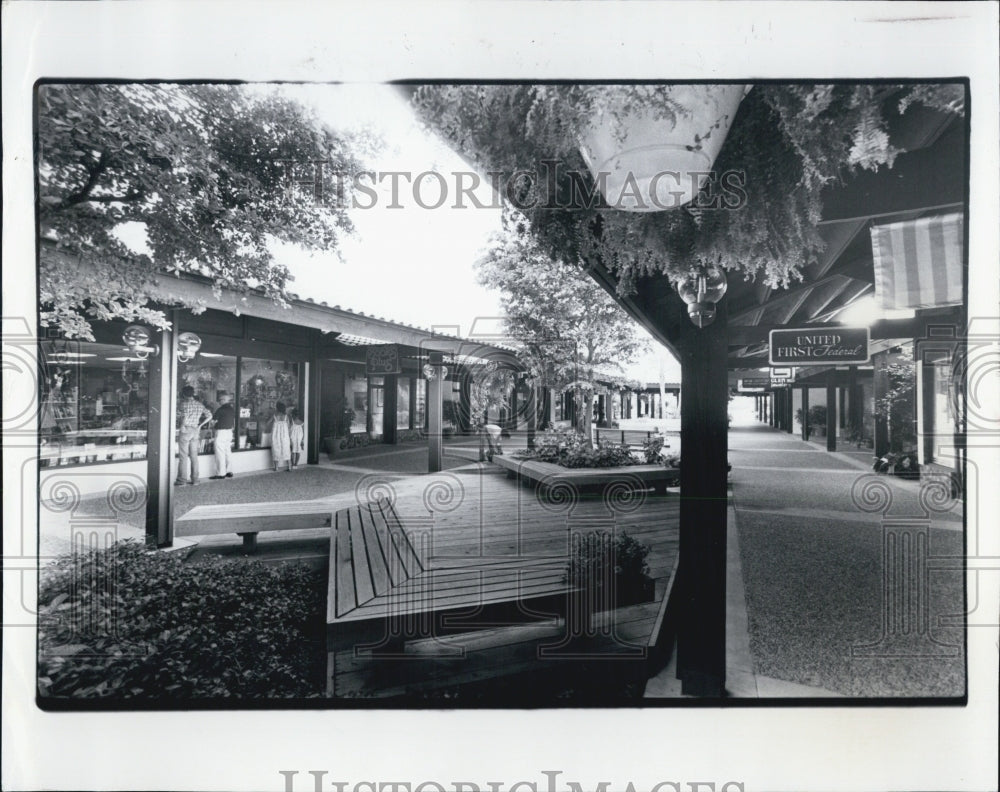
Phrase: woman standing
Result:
[281,442]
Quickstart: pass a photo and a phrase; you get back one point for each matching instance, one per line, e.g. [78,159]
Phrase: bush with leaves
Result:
[651,448]
[569,448]
[125,622]
[603,560]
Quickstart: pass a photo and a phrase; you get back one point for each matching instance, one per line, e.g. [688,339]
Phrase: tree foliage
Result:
[788,141]
[200,173]
[570,331]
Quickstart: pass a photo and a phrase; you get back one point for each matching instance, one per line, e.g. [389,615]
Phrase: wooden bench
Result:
[249,519]
[383,591]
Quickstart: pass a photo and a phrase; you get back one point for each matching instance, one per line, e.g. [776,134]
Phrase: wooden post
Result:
[435,435]
[161,424]
[313,439]
[805,413]
[390,396]
[790,410]
[532,416]
[511,423]
[831,410]
[880,386]
[701,632]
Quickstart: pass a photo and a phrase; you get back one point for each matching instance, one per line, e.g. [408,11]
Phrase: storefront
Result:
[108,406]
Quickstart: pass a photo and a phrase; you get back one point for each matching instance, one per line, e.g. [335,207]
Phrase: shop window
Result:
[208,373]
[376,402]
[403,404]
[420,403]
[263,383]
[94,403]
[356,392]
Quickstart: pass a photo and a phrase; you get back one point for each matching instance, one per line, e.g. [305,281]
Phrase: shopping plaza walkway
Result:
[820,539]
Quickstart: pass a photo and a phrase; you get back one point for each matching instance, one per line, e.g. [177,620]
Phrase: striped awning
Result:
[918,263]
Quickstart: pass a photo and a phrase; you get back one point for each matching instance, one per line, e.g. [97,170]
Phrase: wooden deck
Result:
[478,535]
[480,531]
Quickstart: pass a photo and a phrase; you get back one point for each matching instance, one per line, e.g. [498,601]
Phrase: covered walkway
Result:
[853,580]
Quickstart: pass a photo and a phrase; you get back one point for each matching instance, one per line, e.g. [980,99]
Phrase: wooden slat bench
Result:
[633,438]
[249,519]
[382,592]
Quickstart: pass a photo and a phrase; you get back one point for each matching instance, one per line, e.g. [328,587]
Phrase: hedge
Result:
[125,622]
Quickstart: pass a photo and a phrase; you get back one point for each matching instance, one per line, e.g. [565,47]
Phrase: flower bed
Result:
[570,449]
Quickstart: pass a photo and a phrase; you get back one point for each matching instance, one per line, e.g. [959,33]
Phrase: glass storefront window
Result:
[356,393]
[403,404]
[263,383]
[420,406]
[94,400]
[376,401]
[208,374]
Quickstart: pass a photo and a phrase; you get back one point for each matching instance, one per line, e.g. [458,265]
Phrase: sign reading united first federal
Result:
[833,345]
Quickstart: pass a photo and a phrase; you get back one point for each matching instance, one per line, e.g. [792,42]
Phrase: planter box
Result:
[654,476]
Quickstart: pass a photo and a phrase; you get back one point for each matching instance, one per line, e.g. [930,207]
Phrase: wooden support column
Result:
[435,389]
[880,386]
[465,417]
[532,413]
[313,439]
[701,632]
[805,414]
[161,424]
[390,396]
[831,410]
[789,410]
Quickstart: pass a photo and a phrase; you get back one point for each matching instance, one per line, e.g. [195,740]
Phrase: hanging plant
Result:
[786,143]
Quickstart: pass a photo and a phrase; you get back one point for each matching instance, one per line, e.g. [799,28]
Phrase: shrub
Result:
[356,440]
[569,448]
[599,558]
[125,622]
[651,448]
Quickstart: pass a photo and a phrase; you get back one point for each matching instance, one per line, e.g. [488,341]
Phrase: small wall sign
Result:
[833,346]
[382,359]
[753,385]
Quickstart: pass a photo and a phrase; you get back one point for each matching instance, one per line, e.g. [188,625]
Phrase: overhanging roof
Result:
[333,320]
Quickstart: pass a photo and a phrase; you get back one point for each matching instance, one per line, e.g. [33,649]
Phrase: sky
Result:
[410,263]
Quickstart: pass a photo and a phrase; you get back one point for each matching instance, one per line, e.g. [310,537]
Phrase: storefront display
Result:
[93,403]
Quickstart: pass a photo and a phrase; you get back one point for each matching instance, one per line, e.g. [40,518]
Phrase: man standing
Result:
[192,415]
[225,423]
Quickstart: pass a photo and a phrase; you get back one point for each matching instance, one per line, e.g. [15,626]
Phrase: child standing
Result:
[281,442]
[297,435]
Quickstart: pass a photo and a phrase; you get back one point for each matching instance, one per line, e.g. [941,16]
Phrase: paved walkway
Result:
[818,536]
[807,578]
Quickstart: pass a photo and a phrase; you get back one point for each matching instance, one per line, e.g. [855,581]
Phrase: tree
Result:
[896,405]
[571,332]
[201,174]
